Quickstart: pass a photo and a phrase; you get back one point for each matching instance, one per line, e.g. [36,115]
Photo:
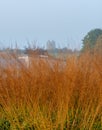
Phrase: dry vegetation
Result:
[52,96]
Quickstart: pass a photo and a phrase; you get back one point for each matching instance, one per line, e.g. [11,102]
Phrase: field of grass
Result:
[52,96]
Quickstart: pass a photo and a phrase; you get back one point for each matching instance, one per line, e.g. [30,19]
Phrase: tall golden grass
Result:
[52,94]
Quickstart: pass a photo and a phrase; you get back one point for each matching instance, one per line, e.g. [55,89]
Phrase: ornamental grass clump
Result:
[51,94]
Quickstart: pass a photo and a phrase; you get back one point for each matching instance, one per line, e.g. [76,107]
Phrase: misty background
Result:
[65,21]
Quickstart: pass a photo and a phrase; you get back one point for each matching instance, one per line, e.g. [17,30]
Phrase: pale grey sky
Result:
[65,21]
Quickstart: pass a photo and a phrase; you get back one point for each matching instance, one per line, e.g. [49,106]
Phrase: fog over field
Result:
[65,21]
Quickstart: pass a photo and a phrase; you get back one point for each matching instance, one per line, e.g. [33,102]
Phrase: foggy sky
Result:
[65,21]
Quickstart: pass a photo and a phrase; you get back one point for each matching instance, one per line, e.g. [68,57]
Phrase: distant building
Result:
[24,59]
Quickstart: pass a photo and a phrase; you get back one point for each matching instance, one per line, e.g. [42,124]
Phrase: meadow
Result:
[52,96]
